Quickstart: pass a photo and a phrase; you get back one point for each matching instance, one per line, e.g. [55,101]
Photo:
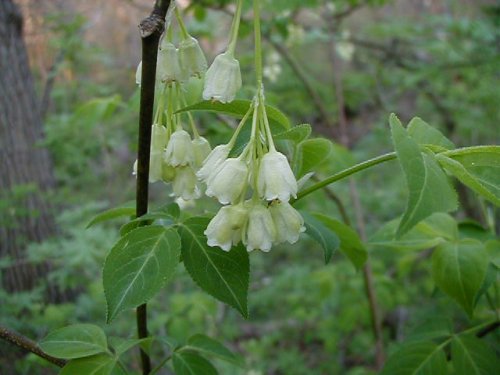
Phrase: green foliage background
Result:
[305,317]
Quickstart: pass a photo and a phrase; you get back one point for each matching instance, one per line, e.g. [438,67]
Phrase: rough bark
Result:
[25,217]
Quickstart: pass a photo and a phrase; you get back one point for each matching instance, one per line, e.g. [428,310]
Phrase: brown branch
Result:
[27,344]
[150,30]
[301,75]
[358,209]
[488,329]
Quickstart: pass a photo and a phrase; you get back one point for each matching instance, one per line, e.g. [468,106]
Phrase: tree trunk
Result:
[25,167]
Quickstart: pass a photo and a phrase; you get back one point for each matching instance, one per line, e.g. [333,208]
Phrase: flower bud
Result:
[260,232]
[225,229]
[192,59]
[169,69]
[228,181]
[287,220]
[167,172]
[276,179]
[223,79]
[179,149]
[213,161]
[184,183]
[201,149]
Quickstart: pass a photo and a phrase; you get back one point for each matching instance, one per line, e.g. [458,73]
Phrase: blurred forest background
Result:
[68,143]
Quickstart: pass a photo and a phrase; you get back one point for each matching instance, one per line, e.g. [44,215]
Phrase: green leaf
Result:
[437,228]
[192,364]
[121,345]
[459,268]
[424,134]
[471,356]
[322,234]
[429,188]
[350,243]
[138,266]
[418,358]
[433,329]
[237,108]
[489,279]
[75,341]
[484,180]
[101,364]
[310,154]
[111,214]
[206,345]
[296,134]
[224,275]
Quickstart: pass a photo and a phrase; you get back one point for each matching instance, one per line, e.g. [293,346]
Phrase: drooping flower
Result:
[260,231]
[213,161]
[225,229]
[223,79]
[228,181]
[158,143]
[184,183]
[169,69]
[287,221]
[276,179]
[179,150]
[201,149]
[192,59]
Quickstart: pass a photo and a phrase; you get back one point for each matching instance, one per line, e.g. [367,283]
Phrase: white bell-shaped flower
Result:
[287,221]
[184,183]
[158,144]
[225,229]
[201,149]
[260,232]
[191,57]
[158,138]
[168,66]
[276,179]
[213,161]
[228,181]
[179,150]
[223,79]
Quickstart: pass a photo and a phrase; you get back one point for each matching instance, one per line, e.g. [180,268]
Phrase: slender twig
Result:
[302,76]
[358,210]
[27,344]
[346,173]
[150,29]
[488,329]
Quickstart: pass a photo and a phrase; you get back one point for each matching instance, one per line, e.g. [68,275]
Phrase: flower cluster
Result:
[255,185]
[255,188]
[175,155]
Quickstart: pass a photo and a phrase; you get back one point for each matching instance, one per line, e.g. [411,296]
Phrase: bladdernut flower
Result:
[276,179]
[169,69]
[184,183]
[158,144]
[201,149]
[213,161]
[223,79]
[179,150]
[191,57]
[287,221]
[225,229]
[228,181]
[259,232]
